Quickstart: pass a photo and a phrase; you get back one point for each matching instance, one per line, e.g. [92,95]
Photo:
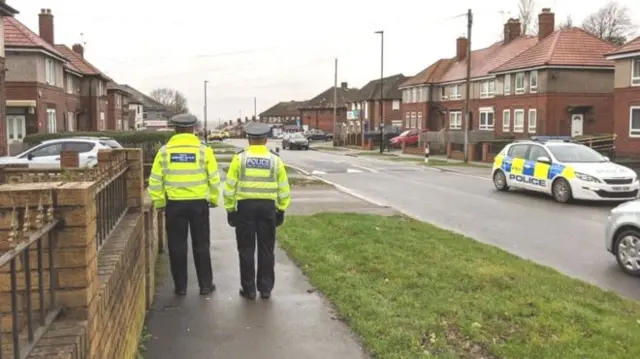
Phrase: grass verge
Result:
[412,290]
[305,182]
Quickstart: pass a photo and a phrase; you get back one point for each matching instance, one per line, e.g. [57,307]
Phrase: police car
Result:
[563,169]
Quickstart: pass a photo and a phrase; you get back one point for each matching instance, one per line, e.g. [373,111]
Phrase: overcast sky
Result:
[275,50]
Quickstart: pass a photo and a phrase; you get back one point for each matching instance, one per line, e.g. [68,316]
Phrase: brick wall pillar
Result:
[449,149]
[135,178]
[485,152]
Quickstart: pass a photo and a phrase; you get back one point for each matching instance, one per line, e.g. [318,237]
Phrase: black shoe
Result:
[181,291]
[265,295]
[208,290]
[247,295]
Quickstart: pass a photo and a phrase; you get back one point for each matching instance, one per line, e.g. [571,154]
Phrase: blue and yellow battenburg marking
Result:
[539,171]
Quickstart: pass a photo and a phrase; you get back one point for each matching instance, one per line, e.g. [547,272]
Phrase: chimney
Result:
[78,49]
[462,43]
[546,23]
[46,26]
[344,85]
[512,30]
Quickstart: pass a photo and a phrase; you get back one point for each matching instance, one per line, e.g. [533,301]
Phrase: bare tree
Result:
[526,13]
[611,23]
[172,99]
[567,23]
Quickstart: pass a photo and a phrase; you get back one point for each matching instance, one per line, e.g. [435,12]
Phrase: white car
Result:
[564,170]
[47,154]
[622,236]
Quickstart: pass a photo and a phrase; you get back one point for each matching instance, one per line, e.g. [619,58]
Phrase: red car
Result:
[409,137]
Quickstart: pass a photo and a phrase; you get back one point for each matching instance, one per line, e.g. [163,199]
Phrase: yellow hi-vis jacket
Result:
[256,173]
[184,169]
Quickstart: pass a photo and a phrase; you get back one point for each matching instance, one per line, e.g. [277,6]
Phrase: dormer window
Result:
[533,81]
[519,83]
[488,89]
[635,72]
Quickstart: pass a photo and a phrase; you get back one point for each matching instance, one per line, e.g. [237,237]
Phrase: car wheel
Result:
[627,250]
[500,181]
[561,191]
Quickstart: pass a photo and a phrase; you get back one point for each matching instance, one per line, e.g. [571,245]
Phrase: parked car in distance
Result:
[409,137]
[622,236]
[47,154]
[318,135]
[295,141]
[216,136]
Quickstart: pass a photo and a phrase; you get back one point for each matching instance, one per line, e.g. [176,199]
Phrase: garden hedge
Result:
[124,137]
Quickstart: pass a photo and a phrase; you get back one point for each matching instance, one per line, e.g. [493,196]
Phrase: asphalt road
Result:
[569,238]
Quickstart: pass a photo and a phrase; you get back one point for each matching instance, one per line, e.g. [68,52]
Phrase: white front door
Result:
[16,128]
[577,125]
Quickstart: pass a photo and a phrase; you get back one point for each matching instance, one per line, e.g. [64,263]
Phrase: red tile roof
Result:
[18,35]
[430,74]
[631,46]
[485,60]
[83,66]
[565,47]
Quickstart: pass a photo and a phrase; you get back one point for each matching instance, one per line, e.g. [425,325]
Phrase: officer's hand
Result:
[231,218]
[279,218]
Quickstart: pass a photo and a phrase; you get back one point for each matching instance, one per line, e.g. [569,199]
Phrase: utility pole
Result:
[381,32]
[206,133]
[335,100]
[255,115]
[467,109]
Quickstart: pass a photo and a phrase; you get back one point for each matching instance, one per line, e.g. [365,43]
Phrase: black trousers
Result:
[256,222]
[180,217]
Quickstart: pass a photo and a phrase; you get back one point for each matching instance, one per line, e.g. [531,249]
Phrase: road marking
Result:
[365,168]
[351,170]
[467,175]
[316,172]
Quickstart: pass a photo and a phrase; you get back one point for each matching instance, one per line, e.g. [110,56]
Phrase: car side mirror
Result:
[544,159]
[30,156]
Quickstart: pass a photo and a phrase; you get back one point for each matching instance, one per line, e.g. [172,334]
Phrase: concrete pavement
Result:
[295,323]
[569,238]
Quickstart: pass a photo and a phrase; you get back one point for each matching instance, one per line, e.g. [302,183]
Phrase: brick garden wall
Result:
[103,293]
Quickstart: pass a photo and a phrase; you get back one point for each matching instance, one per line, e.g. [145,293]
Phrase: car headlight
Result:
[587,178]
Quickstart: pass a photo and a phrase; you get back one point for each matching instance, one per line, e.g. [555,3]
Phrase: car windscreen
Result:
[575,153]
[110,143]
[404,134]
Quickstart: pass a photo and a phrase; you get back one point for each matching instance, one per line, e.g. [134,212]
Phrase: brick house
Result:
[317,113]
[563,85]
[154,115]
[41,84]
[93,90]
[5,11]
[118,108]
[626,98]
[419,102]
[284,116]
[367,104]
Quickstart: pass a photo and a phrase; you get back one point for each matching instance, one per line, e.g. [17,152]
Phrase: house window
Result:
[50,72]
[70,121]
[635,72]
[518,121]
[69,84]
[443,93]
[455,120]
[486,119]
[419,124]
[395,105]
[488,89]
[519,83]
[101,124]
[100,88]
[455,92]
[414,95]
[366,110]
[406,95]
[533,120]
[118,101]
[533,81]
[634,121]
[506,120]
[507,84]
[419,99]
[413,120]
[407,120]
[51,120]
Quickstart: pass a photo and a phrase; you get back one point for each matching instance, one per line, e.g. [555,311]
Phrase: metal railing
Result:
[111,204]
[35,327]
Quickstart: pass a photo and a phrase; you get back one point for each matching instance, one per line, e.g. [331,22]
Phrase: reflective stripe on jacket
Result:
[256,173]
[184,169]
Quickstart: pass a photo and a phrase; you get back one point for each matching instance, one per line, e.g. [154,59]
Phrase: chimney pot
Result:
[45,22]
[78,49]
[546,23]
[462,44]
[512,30]
[344,85]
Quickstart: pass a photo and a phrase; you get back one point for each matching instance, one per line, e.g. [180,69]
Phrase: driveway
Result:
[568,238]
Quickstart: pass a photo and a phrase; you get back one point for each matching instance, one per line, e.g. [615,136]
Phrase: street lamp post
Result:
[206,133]
[381,32]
